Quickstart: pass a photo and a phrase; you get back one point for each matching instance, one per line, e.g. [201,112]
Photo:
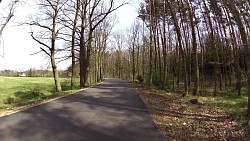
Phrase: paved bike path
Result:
[111,111]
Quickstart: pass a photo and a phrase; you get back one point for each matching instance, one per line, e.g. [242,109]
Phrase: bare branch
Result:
[110,10]
[36,53]
[45,51]
[39,25]
[39,41]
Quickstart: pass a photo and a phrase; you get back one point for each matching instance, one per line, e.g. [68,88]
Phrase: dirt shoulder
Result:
[180,120]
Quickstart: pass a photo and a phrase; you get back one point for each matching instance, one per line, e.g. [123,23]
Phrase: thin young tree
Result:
[73,65]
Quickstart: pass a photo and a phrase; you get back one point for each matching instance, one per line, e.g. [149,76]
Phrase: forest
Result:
[196,47]
[199,47]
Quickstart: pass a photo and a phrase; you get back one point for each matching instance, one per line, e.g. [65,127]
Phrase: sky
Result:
[16,44]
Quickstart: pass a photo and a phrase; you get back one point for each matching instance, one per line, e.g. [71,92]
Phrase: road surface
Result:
[111,111]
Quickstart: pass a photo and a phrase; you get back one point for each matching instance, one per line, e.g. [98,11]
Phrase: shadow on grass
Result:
[27,92]
[30,94]
[25,97]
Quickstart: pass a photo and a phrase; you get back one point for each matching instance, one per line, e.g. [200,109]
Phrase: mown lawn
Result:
[18,91]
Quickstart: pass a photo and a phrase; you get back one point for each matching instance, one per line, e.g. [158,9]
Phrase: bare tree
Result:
[133,39]
[48,23]
[12,5]
[93,14]
[120,45]
[73,72]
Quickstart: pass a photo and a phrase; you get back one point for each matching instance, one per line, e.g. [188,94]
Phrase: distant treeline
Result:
[31,73]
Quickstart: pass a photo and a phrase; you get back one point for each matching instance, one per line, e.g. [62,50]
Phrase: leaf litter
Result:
[180,120]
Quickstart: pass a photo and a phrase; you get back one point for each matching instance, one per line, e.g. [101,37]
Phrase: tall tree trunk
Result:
[52,50]
[218,51]
[196,65]
[186,40]
[178,31]
[213,46]
[158,50]
[164,46]
[235,50]
[133,60]
[55,72]
[137,58]
[82,45]
[73,72]
[143,52]
[150,45]
[236,13]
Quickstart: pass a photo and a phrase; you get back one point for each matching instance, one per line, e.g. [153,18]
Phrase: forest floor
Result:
[179,120]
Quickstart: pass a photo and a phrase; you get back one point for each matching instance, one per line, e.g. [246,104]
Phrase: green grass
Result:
[228,100]
[17,91]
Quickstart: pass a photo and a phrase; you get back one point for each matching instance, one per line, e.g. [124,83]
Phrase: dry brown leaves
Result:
[179,120]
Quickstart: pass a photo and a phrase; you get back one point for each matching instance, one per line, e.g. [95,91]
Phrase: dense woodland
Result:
[186,45]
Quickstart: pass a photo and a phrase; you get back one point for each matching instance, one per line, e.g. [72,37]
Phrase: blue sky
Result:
[18,44]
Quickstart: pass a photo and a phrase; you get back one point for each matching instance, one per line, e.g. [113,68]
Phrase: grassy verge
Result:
[19,91]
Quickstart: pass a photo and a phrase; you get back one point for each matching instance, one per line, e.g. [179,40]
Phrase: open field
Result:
[17,91]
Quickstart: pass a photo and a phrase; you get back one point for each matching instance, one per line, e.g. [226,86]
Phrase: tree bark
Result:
[82,44]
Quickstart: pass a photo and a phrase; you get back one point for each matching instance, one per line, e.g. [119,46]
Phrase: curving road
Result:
[111,111]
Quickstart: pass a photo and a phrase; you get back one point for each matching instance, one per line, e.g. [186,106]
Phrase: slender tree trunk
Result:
[178,31]
[150,45]
[137,59]
[235,50]
[196,65]
[73,72]
[214,47]
[158,50]
[133,61]
[143,53]
[237,16]
[53,62]
[164,46]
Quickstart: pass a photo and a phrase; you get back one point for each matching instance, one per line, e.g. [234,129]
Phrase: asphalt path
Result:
[111,111]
